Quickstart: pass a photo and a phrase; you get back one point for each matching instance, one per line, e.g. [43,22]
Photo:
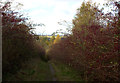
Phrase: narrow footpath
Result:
[52,72]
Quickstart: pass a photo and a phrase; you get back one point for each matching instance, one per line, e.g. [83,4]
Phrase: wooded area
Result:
[92,48]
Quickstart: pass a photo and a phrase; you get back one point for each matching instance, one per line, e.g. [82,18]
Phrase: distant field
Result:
[50,36]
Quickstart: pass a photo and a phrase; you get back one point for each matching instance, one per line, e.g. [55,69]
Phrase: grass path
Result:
[65,73]
[37,70]
[33,70]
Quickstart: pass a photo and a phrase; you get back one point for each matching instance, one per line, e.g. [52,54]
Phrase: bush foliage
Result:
[18,42]
[92,48]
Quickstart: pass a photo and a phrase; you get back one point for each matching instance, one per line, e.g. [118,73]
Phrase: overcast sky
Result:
[50,12]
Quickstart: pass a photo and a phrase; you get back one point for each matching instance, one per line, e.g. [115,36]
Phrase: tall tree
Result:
[57,39]
[86,15]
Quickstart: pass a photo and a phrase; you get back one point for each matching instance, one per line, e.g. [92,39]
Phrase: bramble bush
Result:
[18,42]
[92,48]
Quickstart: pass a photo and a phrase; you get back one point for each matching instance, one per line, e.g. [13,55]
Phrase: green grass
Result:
[33,70]
[38,70]
[65,73]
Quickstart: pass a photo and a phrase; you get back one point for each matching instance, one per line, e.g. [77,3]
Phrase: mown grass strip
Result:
[65,73]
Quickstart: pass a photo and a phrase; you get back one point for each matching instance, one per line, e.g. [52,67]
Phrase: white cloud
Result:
[50,12]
